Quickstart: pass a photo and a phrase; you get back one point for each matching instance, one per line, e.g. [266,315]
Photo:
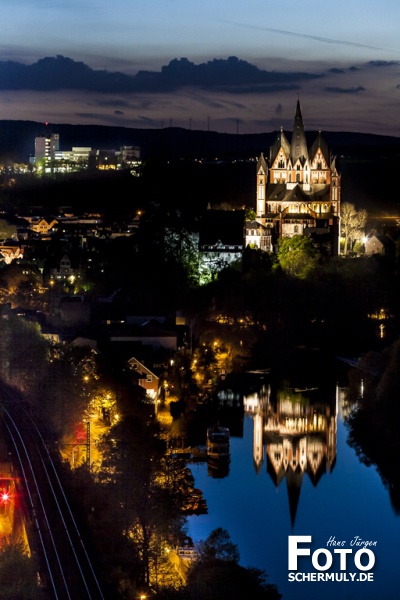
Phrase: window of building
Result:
[149,378]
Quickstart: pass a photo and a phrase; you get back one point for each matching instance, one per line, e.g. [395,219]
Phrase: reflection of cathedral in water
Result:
[296,434]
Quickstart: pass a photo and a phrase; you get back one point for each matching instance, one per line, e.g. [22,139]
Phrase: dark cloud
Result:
[230,75]
[113,103]
[339,90]
[260,89]
[279,109]
[87,115]
[383,63]
[118,112]
[238,105]
[341,71]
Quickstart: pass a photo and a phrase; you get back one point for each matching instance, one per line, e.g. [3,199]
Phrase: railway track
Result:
[66,567]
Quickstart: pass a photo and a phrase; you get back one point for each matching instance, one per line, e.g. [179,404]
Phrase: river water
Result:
[293,473]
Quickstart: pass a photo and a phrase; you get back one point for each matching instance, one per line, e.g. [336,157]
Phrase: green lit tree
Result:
[297,256]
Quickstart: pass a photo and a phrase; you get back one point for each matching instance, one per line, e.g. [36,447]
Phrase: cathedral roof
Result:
[298,147]
[320,143]
[277,192]
[281,141]
[262,164]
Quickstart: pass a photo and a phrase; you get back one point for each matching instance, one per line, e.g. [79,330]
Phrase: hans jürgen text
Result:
[340,560]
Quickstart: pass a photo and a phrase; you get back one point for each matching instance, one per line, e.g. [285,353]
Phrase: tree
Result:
[217,575]
[218,546]
[352,223]
[132,470]
[17,573]
[251,214]
[7,230]
[297,256]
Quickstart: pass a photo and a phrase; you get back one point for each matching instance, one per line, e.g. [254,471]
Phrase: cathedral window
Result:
[319,165]
[298,177]
[281,164]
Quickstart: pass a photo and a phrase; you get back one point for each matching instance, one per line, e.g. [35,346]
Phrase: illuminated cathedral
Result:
[297,193]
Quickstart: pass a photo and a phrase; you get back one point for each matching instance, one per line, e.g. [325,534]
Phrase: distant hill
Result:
[17,141]
[367,162]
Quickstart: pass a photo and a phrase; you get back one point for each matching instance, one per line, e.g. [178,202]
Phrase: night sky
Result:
[341,59]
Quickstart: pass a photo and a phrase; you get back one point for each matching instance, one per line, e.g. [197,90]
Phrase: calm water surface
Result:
[292,472]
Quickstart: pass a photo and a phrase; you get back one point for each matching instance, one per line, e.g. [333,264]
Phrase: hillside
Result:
[17,141]
[365,161]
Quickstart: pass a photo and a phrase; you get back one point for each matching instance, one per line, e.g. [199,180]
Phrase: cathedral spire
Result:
[299,143]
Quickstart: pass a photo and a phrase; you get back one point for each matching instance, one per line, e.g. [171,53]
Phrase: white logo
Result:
[350,564]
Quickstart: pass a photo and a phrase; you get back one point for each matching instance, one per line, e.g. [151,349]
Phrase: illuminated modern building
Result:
[46,147]
[297,192]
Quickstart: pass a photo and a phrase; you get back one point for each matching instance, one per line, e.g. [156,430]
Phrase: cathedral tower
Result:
[298,190]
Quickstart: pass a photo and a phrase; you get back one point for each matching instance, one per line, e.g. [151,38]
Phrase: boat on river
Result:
[218,442]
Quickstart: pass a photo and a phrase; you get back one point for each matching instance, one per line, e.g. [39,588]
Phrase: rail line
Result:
[65,564]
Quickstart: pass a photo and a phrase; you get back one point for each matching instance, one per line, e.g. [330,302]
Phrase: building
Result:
[379,244]
[11,251]
[297,191]
[145,378]
[47,150]
[41,225]
[46,147]
[221,234]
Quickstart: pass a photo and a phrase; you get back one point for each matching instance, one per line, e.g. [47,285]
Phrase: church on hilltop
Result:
[297,193]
